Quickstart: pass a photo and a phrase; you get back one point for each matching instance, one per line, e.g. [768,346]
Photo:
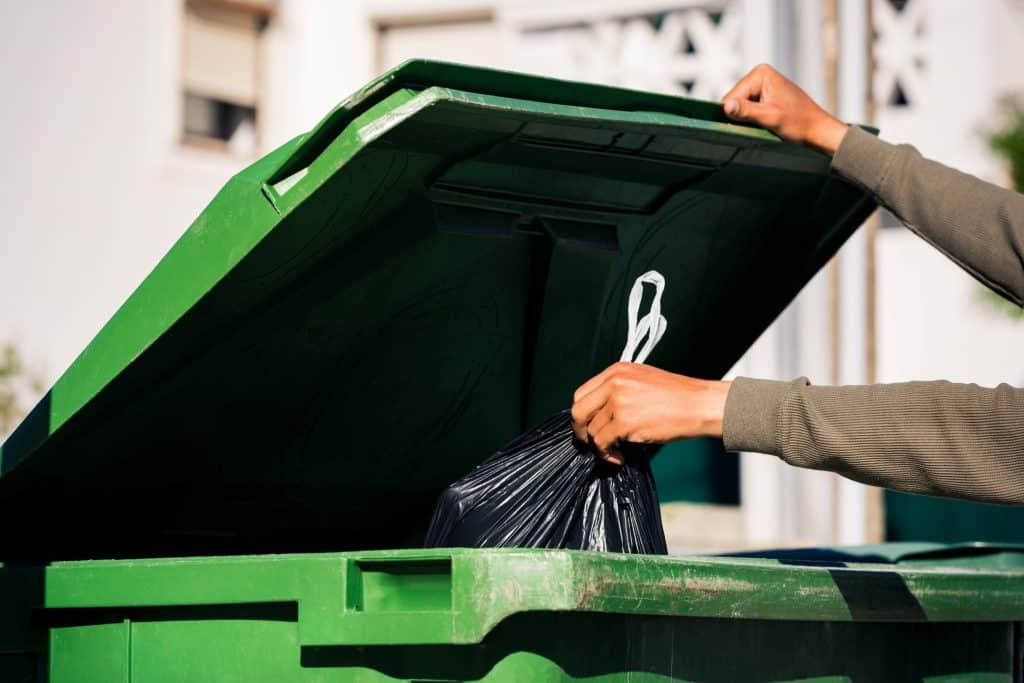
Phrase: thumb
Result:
[748,110]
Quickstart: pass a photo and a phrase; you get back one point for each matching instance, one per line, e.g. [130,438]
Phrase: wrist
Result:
[713,408]
[827,134]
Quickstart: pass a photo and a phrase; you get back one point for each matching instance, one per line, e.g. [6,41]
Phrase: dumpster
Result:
[360,317]
[520,615]
[363,315]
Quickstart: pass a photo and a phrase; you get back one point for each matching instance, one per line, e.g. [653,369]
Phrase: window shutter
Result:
[221,54]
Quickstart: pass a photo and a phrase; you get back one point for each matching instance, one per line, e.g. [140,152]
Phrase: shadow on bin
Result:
[33,429]
[615,647]
[22,639]
[870,595]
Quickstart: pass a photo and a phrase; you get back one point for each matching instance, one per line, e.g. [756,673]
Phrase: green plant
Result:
[998,302]
[1007,138]
[15,381]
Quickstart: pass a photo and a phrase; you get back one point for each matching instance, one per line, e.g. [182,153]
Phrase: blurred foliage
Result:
[1007,140]
[15,381]
[998,302]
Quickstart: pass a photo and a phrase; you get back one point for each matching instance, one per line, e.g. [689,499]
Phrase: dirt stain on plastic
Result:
[702,584]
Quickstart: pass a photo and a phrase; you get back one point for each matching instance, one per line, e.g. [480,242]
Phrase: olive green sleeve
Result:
[978,225]
[938,438]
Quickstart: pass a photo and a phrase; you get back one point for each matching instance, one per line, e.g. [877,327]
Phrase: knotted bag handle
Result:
[651,327]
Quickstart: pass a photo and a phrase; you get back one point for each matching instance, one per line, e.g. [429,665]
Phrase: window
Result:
[221,73]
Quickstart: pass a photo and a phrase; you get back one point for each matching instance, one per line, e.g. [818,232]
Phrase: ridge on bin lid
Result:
[368,311]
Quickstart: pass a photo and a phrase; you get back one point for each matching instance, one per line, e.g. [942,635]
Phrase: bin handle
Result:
[651,327]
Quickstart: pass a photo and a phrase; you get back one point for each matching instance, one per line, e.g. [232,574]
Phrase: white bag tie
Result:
[648,329]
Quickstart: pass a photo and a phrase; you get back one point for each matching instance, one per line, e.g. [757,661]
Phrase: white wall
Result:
[318,53]
[96,186]
[91,195]
[932,322]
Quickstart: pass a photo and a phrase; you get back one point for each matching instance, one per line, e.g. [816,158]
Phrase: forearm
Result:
[977,224]
[938,438]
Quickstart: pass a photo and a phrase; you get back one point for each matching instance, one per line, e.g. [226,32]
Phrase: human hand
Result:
[642,404]
[769,99]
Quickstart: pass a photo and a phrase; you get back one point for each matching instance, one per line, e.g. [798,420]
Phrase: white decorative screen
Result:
[694,50]
[899,52]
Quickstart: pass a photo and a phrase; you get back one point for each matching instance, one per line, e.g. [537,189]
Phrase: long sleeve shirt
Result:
[937,438]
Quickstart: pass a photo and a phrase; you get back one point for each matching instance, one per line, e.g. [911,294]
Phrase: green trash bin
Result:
[519,615]
[363,315]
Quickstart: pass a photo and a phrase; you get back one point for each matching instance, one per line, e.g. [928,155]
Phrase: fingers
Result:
[764,115]
[591,397]
[593,421]
[745,102]
[614,457]
[584,409]
[598,422]
[748,87]
[597,379]
[579,430]
[606,442]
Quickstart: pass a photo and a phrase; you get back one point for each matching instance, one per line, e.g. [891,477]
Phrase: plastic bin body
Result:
[360,317]
[518,615]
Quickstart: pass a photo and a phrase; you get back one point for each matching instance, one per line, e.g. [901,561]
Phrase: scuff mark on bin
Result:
[717,584]
[595,589]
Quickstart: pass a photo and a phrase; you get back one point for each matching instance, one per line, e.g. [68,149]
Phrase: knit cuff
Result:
[863,158]
[752,415]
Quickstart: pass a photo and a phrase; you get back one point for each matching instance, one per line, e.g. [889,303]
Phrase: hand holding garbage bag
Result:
[641,404]
[548,489]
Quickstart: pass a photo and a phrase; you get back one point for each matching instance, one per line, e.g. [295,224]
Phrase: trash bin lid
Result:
[365,313]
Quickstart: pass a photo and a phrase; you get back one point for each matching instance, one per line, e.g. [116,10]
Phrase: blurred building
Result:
[123,119]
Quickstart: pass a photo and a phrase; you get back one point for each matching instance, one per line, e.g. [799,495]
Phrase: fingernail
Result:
[731,107]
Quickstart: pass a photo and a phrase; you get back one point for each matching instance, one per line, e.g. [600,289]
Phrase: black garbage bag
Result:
[545,489]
